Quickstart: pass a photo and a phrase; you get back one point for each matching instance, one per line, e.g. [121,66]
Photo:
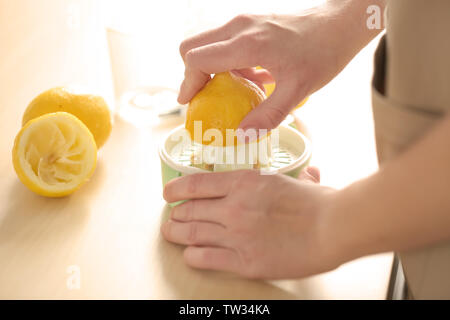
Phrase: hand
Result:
[259,226]
[300,53]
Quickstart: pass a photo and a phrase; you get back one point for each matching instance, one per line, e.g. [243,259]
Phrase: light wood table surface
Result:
[109,229]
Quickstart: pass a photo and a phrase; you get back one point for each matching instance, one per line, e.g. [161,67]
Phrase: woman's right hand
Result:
[301,53]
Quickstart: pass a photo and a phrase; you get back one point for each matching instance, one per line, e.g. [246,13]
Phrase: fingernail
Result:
[314,173]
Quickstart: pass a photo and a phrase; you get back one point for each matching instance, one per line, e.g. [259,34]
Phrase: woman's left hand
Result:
[259,226]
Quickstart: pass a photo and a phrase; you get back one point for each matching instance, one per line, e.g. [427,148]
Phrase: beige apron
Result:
[411,91]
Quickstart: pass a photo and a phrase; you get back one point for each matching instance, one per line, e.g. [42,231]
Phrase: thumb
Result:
[271,112]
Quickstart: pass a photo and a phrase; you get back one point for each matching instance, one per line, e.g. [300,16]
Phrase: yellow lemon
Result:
[54,154]
[92,110]
[222,104]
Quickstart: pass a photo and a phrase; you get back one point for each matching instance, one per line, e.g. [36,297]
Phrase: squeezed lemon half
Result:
[54,154]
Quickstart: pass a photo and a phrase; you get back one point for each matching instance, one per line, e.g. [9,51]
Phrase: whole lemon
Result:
[92,110]
[222,104]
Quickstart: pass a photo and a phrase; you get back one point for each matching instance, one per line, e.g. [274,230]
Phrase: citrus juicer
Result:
[289,156]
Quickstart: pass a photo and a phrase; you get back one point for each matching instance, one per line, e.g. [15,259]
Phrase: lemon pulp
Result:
[54,154]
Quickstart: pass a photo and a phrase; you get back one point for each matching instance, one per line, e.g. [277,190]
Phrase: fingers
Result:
[225,32]
[221,56]
[211,52]
[270,113]
[221,259]
[199,210]
[193,81]
[311,174]
[197,79]
[214,35]
[194,233]
[199,186]
[255,75]
[213,58]
[258,77]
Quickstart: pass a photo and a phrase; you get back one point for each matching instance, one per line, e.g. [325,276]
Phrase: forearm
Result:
[346,32]
[352,18]
[406,205]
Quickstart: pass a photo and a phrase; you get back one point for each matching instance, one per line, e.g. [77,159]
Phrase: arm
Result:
[276,227]
[405,205]
[273,226]
[301,53]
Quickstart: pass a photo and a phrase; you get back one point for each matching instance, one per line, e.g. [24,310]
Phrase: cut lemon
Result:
[54,154]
